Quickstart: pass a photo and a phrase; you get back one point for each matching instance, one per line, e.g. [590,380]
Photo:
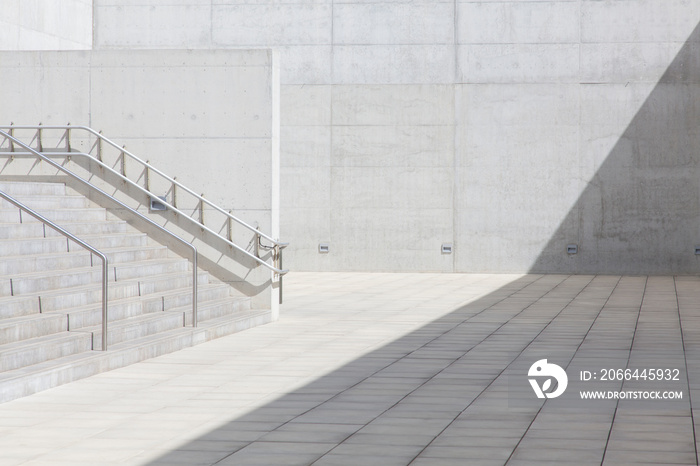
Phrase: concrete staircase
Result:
[50,294]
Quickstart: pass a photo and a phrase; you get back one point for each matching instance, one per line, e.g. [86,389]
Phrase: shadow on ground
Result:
[639,212]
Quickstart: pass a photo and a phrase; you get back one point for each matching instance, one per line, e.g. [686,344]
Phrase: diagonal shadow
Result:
[638,214]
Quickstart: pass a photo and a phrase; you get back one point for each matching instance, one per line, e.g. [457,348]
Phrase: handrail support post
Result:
[201,210]
[123,162]
[257,243]
[194,288]
[99,149]
[12,143]
[229,228]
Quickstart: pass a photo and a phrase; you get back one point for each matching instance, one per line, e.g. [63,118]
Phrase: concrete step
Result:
[18,306]
[31,326]
[59,216]
[47,202]
[218,308]
[131,306]
[172,276]
[13,266]
[24,246]
[18,188]
[117,256]
[38,283]
[31,379]
[135,327]
[62,299]
[40,349]
[36,230]
[181,299]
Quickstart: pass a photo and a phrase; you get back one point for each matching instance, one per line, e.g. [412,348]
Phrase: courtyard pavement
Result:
[399,369]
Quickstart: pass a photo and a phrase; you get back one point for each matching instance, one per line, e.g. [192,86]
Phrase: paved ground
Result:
[384,369]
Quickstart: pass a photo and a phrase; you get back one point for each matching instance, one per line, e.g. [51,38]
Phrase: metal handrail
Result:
[122,205]
[277,245]
[168,205]
[80,242]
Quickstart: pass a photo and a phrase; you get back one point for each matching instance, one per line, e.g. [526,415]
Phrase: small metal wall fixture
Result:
[323,248]
[156,204]
[572,248]
[446,248]
[697,250]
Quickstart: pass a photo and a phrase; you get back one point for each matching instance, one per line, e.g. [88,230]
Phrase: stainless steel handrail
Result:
[80,242]
[122,205]
[167,204]
[277,245]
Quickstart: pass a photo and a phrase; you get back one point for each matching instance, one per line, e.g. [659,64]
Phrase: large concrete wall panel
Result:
[517,152]
[393,23]
[142,25]
[197,93]
[553,22]
[527,104]
[393,64]
[391,145]
[639,21]
[45,88]
[518,63]
[251,24]
[46,25]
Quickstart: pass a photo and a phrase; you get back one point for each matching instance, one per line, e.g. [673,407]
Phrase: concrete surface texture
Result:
[209,118]
[508,129]
[46,25]
[395,369]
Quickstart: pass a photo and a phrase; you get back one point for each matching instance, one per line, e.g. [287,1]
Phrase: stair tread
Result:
[125,282]
[25,345]
[129,321]
[69,223]
[84,236]
[98,265]
[132,299]
[176,313]
[167,334]
[72,360]
[153,247]
[44,255]
[18,320]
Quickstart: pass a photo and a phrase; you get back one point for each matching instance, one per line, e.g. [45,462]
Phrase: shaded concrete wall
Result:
[206,117]
[406,125]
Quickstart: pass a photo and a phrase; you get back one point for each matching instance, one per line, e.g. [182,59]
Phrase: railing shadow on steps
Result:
[78,241]
[138,185]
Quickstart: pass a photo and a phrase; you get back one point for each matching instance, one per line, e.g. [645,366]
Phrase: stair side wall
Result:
[211,121]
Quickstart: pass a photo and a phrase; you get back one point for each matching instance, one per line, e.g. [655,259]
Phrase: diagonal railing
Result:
[75,239]
[275,246]
[31,151]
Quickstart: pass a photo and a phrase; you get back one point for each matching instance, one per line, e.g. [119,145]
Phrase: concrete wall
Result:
[208,118]
[484,124]
[46,25]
